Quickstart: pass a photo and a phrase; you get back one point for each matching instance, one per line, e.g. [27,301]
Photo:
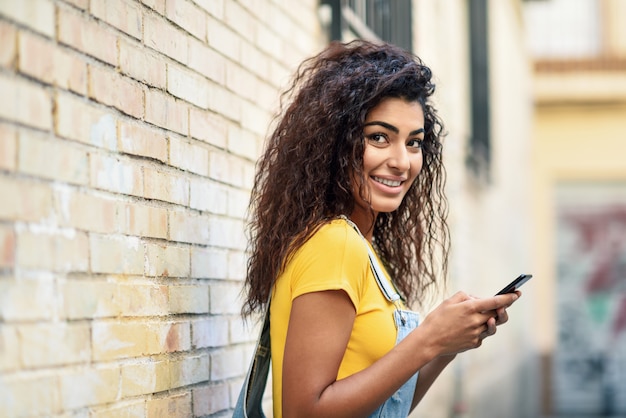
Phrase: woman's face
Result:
[393,133]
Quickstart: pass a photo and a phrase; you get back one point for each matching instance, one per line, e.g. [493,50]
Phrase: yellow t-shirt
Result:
[334,258]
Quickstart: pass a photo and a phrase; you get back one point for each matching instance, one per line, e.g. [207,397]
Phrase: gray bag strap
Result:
[249,403]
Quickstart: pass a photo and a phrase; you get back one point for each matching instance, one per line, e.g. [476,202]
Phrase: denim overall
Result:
[397,406]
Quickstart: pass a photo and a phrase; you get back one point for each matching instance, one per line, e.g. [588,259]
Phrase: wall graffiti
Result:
[589,372]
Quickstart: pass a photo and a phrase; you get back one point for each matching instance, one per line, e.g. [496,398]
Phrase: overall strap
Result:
[386,288]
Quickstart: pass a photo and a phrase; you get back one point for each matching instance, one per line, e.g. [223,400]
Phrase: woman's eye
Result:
[415,143]
[377,138]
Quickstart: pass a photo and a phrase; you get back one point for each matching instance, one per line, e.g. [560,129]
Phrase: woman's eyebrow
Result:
[393,128]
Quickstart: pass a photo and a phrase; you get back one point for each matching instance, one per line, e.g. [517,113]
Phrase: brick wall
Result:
[128,135]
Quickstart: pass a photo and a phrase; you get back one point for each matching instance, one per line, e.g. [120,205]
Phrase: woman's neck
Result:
[364,221]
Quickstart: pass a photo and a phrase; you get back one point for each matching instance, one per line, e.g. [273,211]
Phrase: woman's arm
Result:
[320,325]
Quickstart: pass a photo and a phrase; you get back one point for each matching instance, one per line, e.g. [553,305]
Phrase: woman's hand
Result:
[461,322]
[501,317]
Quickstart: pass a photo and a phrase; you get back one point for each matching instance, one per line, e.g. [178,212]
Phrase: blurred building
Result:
[579,202]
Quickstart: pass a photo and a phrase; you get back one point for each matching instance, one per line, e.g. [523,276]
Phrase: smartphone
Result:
[515,284]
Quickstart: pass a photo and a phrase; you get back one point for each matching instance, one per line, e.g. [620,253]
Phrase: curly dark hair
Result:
[305,176]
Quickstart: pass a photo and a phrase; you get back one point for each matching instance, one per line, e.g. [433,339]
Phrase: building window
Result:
[382,20]
[479,154]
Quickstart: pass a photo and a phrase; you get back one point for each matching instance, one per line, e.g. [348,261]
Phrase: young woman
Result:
[347,224]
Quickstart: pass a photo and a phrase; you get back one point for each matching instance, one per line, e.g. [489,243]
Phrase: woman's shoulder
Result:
[337,232]
[336,238]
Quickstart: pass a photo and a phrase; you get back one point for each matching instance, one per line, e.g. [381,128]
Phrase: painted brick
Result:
[225,232]
[161,192]
[24,300]
[234,387]
[24,200]
[185,227]
[189,370]
[142,220]
[117,340]
[7,246]
[165,38]
[166,186]
[209,332]
[108,87]
[140,299]
[141,64]
[207,127]
[207,61]
[52,251]
[225,102]
[209,263]
[210,399]
[241,20]
[37,15]
[87,36]
[256,61]
[223,39]
[220,165]
[189,156]
[263,16]
[237,263]
[214,7]
[25,102]
[228,363]
[176,337]
[39,58]
[166,112]
[231,169]
[245,331]
[189,299]
[101,216]
[241,81]
[173,406]
[269,42]
[279,74]
[29,394]
[267,97]
[116,254]
[10,348]
[208,196]
[8,52]
[81,120]
[188,16]
[188,86]
[145,377]
[45,157]
[122,14]
[238,201]
[81,4]
[87,298]
[224,299]
[167,260]
[89,386]
[254,118]
[242,142]
[134,409]
[138,139]
[8,147]
[54,344]
[156,5]
[116,175]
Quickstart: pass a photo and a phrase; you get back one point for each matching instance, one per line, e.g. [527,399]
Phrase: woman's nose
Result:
[399,157]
